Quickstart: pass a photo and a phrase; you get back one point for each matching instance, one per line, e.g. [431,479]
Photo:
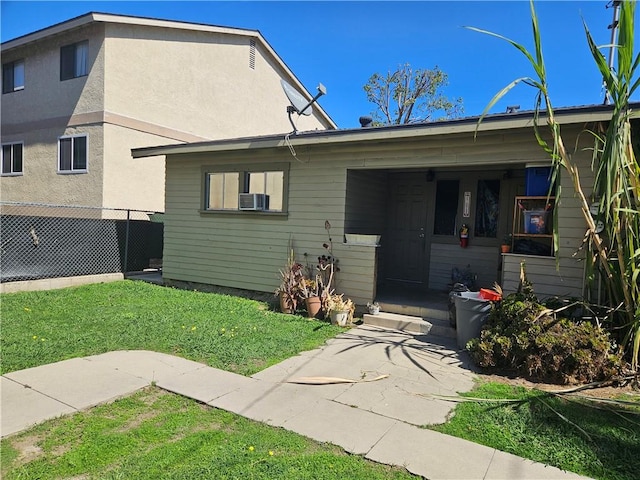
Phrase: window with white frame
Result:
[12,158]
[72,154]
[74,60]
[250,188]
[13,76]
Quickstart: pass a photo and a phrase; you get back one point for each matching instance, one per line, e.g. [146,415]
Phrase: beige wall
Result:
[41,182]
[130,183]
[47,109]
[146,86]
[196,82]
[44,96]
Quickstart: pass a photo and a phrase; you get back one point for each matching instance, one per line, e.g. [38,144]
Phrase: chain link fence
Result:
[49,241]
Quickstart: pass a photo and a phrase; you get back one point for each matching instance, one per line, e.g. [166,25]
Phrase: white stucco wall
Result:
[147,85]
[130,183]
[200,83]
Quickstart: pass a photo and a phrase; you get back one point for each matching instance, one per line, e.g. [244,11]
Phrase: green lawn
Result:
[157,435]
[223,331]
[595,440]
[154,434]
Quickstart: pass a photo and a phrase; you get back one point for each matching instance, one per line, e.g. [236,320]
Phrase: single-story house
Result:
[233,207]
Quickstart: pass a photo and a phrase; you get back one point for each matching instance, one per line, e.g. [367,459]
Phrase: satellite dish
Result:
[299,104]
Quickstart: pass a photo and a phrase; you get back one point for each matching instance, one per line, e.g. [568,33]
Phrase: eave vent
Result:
[252,54]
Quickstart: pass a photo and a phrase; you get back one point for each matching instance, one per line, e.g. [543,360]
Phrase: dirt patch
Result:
[152,394]
[606,391]
[27,448]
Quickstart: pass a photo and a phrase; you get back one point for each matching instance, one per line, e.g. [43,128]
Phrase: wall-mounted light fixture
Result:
[431,175]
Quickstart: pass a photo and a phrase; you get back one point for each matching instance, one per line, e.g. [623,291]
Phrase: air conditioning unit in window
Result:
[253,201]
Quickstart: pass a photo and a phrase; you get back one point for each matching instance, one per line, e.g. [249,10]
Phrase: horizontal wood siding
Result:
[547,281]
[245,250]
[482,261]
[568,280]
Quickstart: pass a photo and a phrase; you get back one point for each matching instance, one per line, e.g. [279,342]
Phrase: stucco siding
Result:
[130,183]
[201,83]
[42,77]
[41,182]
[48,108]
[146,85]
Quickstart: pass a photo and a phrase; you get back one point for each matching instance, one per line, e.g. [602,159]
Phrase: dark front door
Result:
[406,248]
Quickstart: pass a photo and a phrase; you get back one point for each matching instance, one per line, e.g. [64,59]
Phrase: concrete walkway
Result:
[379,419]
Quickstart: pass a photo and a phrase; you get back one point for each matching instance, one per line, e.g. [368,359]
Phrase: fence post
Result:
[126,244]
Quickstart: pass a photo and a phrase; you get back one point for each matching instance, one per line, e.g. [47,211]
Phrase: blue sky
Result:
[342,43]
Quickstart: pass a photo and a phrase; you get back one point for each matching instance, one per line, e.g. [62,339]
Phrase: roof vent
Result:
[513,108]
[365,121]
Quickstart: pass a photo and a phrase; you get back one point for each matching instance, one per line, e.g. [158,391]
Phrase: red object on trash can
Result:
[491,295]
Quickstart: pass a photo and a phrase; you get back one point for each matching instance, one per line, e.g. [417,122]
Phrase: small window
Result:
[12,159]
[487,208]
[223,189]
[13,76]
[72,154]
[447,193]
[269,183]
[74,60]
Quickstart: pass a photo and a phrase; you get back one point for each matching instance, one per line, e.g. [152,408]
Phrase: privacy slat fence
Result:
[39,241]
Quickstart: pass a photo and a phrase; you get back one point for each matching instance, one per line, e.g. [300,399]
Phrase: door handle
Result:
[421,235]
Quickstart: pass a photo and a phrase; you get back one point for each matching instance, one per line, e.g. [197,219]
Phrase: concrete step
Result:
[438,312]
[409,323]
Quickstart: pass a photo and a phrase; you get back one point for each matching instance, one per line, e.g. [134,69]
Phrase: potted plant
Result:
[506,243]
[289,289]
[320,278]
[340,309]
[309,291]
[374,308]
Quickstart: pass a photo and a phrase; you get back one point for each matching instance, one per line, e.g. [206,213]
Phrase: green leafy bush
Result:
[522,335]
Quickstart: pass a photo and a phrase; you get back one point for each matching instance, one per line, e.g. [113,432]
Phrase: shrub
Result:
[522,335]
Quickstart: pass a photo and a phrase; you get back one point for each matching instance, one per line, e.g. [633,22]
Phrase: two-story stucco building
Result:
[79,95]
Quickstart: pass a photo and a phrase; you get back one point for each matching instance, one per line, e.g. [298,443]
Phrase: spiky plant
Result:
[616,252]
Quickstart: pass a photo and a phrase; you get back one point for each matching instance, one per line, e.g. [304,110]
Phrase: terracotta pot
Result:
[505,248]
[287,304]
[314,305]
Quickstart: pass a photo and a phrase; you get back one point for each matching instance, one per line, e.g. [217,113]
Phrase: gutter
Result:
[496,122]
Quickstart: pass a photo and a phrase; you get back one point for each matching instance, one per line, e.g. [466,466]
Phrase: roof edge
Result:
[90,17]
[493,122]
[100,17]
